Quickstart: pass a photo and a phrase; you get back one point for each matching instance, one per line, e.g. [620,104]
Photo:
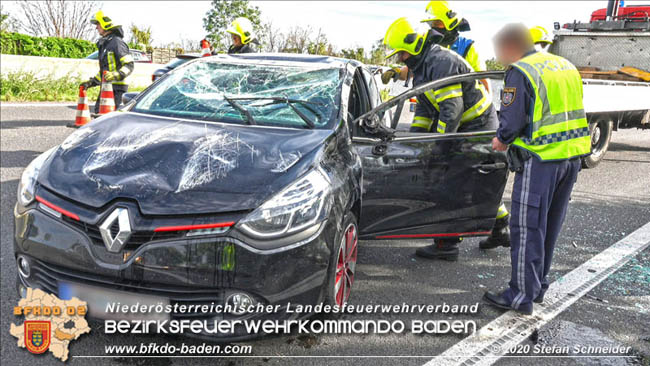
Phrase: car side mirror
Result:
[128,97]
[372,125]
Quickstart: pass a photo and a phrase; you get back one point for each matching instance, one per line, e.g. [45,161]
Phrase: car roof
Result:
[292,59]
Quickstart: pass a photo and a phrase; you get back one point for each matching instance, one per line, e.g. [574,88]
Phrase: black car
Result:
[174,63]
[244,180]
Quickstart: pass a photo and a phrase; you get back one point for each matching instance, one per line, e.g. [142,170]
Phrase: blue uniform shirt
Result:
[517,103]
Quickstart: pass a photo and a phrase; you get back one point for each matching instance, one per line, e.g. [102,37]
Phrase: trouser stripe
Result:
[523,235]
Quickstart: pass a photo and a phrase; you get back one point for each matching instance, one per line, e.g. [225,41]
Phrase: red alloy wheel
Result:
[345,265]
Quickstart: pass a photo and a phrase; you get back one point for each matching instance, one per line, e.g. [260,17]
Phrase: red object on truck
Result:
[641,12]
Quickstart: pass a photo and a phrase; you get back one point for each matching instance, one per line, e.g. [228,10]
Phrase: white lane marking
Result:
[491,342]
[36,104]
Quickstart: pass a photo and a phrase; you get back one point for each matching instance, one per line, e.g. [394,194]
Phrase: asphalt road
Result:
[609,202]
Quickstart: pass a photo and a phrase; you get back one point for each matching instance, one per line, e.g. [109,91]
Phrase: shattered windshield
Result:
[245,93]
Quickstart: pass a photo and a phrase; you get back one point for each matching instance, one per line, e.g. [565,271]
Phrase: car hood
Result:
[173,167]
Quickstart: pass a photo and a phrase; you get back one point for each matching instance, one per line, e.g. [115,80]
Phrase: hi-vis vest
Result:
[558,128]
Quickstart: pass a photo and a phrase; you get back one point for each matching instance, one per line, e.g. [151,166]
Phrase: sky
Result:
[350,23]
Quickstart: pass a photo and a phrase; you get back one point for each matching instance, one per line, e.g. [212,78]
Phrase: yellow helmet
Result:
[402,36]
[439,10]
[105,22]
[242,27]
[539,34]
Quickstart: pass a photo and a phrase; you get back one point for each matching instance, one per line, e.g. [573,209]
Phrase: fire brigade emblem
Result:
[37,335]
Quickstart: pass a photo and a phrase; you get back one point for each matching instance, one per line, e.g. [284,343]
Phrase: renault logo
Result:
[115,243]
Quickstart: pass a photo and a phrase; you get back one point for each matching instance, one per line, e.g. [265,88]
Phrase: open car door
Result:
[422,185]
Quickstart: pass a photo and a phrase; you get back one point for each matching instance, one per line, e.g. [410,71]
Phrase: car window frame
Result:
[399,101]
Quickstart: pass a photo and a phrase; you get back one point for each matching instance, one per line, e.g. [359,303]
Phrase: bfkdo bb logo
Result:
[37,335]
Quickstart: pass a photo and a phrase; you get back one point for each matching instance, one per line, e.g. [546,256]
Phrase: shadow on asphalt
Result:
[6,125]
[617,146]
[17,159]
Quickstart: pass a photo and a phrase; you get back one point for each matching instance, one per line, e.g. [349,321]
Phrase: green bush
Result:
[22,44]
[27,87]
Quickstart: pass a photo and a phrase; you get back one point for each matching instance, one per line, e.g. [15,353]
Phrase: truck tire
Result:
[600,129]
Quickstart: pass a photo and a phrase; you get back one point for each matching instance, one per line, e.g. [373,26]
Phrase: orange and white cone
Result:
[205,48]
[106,98]
[83,111]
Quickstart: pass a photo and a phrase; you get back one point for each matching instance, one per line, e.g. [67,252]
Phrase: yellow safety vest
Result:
[558,128]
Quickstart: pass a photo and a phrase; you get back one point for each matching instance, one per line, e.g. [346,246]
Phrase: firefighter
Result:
[544,128]
[460,107]
[541,38]
[114,57]
[449,24]
[241,31]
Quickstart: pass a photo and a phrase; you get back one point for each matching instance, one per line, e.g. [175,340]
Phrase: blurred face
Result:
[236,40]
[506,53]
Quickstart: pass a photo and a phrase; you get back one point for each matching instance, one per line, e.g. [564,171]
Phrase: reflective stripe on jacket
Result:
[450,106]
[114,55]
[558,128]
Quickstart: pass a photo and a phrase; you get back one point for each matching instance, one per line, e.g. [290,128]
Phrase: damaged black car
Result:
[244,180]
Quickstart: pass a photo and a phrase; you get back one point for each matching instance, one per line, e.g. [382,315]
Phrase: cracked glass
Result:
[200,91]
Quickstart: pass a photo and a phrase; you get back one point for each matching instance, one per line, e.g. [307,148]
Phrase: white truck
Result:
[615,40]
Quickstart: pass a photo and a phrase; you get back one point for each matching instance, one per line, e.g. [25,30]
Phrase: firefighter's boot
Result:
[500,236]
[445,249]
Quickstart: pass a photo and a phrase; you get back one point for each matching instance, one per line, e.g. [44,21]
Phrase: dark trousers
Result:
[540,197]
[118,91]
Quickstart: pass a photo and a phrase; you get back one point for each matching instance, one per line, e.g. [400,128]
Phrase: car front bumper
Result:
[184,271]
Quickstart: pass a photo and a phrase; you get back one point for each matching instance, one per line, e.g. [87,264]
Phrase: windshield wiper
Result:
[290,102]
[245,112]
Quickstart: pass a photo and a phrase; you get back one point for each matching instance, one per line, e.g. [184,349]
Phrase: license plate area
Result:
[98,298]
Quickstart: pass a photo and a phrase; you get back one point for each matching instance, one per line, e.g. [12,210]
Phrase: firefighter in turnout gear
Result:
[114,58]
[241,31]
[544,128]
[449,24]
[460,107]
[441,18]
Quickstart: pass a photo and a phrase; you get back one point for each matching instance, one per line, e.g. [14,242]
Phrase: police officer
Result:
[241,31]
[544,128]
[541,38]
[460,107]
[114,57]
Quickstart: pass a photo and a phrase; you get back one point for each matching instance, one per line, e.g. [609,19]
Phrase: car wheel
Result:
[341,272]
[601,132]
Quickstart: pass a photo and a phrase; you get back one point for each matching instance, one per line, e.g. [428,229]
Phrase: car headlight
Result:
[297,207]
[28,179]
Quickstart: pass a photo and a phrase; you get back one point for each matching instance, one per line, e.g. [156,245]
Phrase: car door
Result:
[418,185]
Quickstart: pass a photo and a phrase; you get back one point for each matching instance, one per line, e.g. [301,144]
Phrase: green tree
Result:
[493,65]
[222,13]
[358,54]
[378,53]
[140,37]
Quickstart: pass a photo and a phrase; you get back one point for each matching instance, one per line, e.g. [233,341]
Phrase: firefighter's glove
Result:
[112,76]
[392,74]
[87,84]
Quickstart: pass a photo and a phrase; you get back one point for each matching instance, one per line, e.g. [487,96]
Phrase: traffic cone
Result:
[106,98]
[83,112]
[205,48]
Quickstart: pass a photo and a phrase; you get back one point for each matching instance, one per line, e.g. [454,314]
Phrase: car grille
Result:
[136,239]
[48,276]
